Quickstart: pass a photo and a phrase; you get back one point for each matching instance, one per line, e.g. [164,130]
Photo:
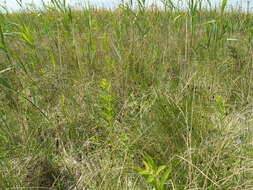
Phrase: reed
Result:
[87,95]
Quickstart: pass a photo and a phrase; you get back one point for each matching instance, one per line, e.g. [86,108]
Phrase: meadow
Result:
[127,99]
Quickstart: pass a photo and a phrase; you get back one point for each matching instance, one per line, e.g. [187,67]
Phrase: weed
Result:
[155,176]
[170,74]
[107,103]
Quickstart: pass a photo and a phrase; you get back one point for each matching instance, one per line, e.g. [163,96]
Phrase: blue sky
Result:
[108,3]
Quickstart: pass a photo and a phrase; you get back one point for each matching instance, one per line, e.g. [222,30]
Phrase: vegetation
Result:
[87,95]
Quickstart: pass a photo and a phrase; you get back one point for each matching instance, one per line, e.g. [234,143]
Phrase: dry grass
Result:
[179,90]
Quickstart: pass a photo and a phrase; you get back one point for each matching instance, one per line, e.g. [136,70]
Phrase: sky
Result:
[12,4]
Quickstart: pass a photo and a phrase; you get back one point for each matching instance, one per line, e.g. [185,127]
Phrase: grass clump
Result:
[87,94]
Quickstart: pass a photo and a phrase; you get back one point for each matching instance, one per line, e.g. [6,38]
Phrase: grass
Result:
[87,94]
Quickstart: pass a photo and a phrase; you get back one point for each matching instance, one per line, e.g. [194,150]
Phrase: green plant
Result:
[163,69]
[106,104]
[221,106]
[223,5]
[155,176]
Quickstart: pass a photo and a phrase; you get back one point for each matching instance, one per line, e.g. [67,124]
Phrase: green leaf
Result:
[151,180]
[105,85]
[105,98]
[150,160]
[144,172]
[158,171]
[165,177]
[177,17]
[147,165]
[106,116]
[26,35]
[223,5]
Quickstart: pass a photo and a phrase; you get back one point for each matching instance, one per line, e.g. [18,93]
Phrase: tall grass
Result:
[87,94]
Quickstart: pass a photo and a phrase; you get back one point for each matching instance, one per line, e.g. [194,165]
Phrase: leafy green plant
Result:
[107,105]
[27,36]
[221,105]
[155,176]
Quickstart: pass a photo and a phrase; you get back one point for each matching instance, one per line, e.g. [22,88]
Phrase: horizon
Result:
[12,5]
